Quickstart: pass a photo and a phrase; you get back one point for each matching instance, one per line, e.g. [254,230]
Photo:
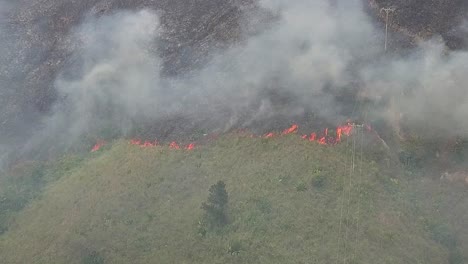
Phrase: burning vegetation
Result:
[152,79]
[324,138]
[155,205]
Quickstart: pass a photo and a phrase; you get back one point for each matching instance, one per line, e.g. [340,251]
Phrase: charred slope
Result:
[426,18]
[36,45]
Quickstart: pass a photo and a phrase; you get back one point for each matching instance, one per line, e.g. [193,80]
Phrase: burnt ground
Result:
[427,18]
[37,46]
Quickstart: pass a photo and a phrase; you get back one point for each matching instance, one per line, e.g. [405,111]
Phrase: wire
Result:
[342,203]
[351,174]
[344,187]
[359,190]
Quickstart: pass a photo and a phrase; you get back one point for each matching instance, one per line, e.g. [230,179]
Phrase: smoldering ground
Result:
[304,62]
[117,82]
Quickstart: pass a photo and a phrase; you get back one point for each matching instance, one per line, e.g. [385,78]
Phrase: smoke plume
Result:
[117,78]
[302,62]
[5,7]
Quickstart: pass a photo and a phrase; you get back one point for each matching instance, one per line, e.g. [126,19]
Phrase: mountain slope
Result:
[290,201]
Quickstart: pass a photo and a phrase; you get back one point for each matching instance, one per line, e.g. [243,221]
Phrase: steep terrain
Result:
[420,19]
[36,39]
[36,45]
[290,201]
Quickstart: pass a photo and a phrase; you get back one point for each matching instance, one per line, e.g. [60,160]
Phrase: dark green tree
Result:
[93,258]
[216,205]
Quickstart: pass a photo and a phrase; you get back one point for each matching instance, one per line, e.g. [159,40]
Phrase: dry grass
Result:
[133,205]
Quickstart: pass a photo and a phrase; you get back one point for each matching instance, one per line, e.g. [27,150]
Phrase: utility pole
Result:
[394,105]
[387,10]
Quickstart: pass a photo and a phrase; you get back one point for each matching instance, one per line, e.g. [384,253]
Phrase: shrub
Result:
[456,257]
[319,181]
[201,228]
[442,234]
[93,258]
[216,205]
[3,228]
[264,205]
[301,187]
[235,247]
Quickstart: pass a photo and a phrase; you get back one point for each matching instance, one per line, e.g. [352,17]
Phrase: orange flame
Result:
[324,139]
[148,144]
[98,146]
[190,146]
[135,142]
[313,137]
[290,130]
[343,130]
[174,145]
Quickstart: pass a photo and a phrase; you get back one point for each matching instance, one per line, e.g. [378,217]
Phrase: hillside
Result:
[36,46]
[426,19]
[290,201]
[233,131]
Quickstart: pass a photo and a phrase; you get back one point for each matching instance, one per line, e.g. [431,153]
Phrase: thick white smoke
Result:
[118,73]
[429,86]
[311,52]
[4,9]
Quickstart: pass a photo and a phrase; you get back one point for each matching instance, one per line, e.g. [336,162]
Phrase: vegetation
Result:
[216,206]
[235,247]
[26,181]
[142,205]
[93,258]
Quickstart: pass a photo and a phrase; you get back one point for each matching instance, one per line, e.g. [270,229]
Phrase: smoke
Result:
[117,80]
[117,76]
[5,8]
[428,87]
[311,54]
[463,29]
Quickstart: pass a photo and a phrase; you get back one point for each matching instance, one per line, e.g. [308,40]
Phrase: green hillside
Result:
[290,201]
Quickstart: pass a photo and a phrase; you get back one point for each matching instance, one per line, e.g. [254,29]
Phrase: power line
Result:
[359,189]
[343,193]
[342,200]
[350,178]
[355,163]
[387,10]
[359,134]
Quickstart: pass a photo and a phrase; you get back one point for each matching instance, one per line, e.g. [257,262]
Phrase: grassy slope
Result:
[133,205]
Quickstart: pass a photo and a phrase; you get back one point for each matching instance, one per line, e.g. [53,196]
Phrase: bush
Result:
[456,257]
[301,187]
[319,181]
[202,228]
[3,228]
[264,205]
[442,234]
[235,247]
[216,205]
[93,258]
